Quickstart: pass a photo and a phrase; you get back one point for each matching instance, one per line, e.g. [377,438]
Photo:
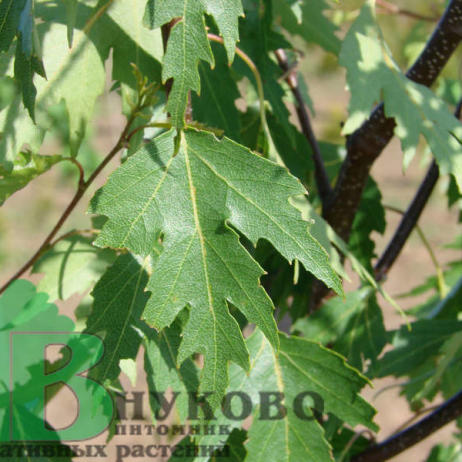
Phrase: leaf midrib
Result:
[192,191]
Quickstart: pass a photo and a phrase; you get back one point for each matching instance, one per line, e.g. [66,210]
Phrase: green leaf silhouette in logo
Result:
[22,309]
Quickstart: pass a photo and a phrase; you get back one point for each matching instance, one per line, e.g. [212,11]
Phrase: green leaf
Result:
[17,451]
[119,300]
[7,91]
[372,75]
[27,166]
[332,243]
[454,196]
[235,451]
[26,27]
[440,370]
[449,384]
[183,54]
[129,368]
[354,325]
[22,309]
[345,442]
[27,62]
[226,15]
[25,67]
[305,93]
[449,307]
[259,40]
[285,291]
[214,184]
[17,128]
[10,12]
[306,19]
[413,347]
[301,366]
[163,371]
[75,75]
[130,41]
[230,450]
[252,130]
[216,106]
[451,453]
[450,352]
[118,30]
[434,306]
[293,148]
[71,266]
[71,16]
[369,217]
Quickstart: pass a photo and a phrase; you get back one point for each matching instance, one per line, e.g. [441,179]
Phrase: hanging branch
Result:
[447,412]
[368,142]
[407,223]
[322,180]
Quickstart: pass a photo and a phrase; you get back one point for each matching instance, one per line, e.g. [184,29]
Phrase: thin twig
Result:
[410,217]
[442,287]
[73,232]
[166,125]
[414,417]
[391,8]
[91,22]
[445,413]
[83,186]
[419,378]
[81,171]
[322,179]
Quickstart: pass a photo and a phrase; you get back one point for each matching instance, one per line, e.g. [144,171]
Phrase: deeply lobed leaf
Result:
[26,167]
[119,300]
[415,346]
[192,193]
[188,43]
[301,368]
[372,75]
[354,325]
[306,19]
[163,371]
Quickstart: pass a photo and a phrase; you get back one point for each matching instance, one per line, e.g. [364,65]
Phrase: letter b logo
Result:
[29,381]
